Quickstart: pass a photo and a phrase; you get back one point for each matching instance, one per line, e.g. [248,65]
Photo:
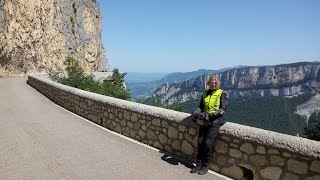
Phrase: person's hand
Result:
[194,117]
[216,113]
[211,116]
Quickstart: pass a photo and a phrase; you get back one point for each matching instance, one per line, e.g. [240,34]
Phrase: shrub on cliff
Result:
[76,77]
[313,129]
[313,133]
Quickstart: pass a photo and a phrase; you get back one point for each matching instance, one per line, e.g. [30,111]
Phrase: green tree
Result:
[118,78]
[313,133]
[175,106]
[116,85]
[140,100]
[313,129]
[76,77]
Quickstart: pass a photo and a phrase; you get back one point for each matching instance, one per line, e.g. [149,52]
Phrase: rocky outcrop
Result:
[309,107]
[39,34]
[280,80]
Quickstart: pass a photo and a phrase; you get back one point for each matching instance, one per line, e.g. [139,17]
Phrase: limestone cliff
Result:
[280,80]
[39,34]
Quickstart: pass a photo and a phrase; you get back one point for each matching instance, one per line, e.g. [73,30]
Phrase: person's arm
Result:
[201,105]
[223,102]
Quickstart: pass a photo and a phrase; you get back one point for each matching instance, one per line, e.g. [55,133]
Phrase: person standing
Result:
[213,104]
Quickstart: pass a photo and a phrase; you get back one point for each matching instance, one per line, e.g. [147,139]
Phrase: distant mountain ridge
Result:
[142,85]
[280,98]
[180,76]
[177,77]
[143,77]
[250,81]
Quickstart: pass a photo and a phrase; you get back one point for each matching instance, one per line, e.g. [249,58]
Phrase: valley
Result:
[279,98]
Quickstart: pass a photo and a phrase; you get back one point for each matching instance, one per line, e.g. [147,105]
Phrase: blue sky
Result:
[186,35]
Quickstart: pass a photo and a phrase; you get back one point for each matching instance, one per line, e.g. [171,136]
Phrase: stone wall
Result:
[240,151]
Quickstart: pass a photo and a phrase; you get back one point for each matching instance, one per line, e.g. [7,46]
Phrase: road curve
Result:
[40,140]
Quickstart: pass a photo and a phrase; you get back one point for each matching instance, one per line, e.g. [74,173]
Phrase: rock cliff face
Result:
[309,107]
[39,34]
[280,80]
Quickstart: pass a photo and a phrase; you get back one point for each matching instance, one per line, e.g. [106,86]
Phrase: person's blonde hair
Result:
[215,79]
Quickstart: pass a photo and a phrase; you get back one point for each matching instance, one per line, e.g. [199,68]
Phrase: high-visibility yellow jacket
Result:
[212,101]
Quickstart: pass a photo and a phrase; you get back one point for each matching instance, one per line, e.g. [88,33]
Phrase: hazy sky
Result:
[186,35]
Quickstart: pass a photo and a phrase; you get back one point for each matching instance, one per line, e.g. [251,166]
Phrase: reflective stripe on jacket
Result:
[212,101]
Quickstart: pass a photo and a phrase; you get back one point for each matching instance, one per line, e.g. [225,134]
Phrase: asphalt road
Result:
[40,140]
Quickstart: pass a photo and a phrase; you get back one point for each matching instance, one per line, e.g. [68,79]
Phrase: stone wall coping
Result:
[290,143]
[249,134]
[123,104]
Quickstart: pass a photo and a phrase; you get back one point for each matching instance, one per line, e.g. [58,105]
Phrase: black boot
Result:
[203,170]
[196,168]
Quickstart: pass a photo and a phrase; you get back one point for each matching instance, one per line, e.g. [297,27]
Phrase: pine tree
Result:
[313,129]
